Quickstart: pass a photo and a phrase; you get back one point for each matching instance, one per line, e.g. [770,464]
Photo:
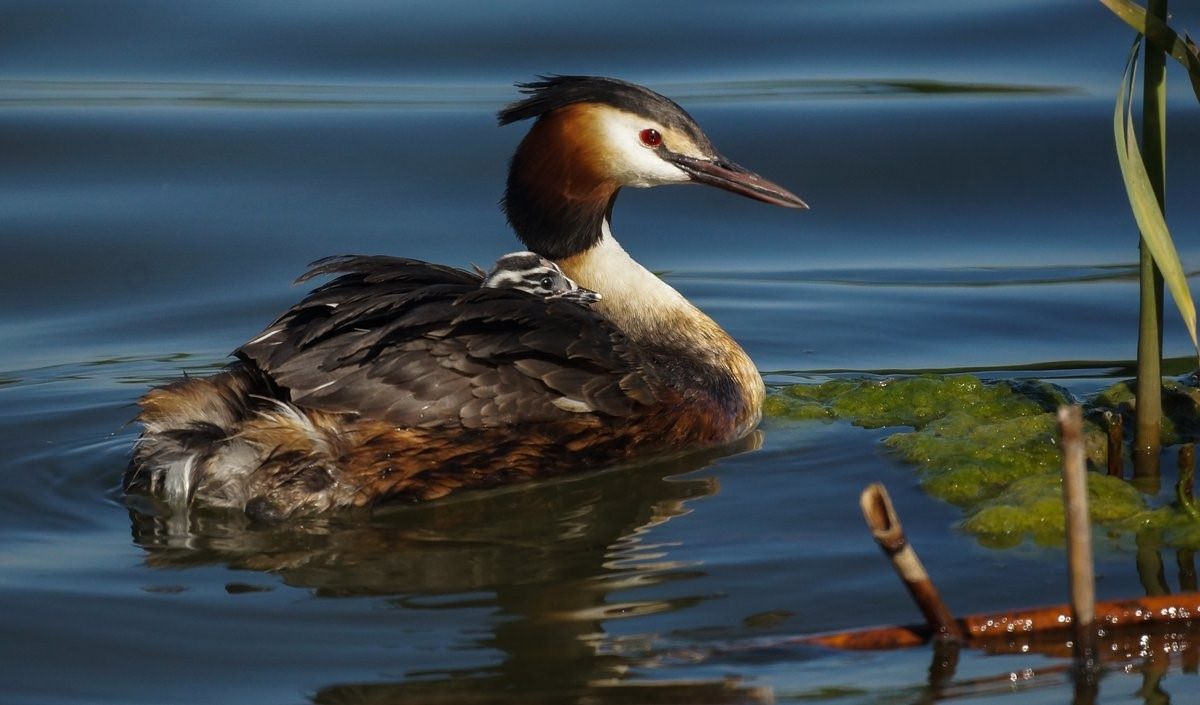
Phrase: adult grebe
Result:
[404,379]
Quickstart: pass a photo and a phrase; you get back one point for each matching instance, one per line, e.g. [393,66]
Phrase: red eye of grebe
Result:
[650,137]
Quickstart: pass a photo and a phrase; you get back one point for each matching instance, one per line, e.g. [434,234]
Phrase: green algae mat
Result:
[991,448]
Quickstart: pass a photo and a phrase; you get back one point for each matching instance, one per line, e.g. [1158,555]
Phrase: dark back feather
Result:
[422,345]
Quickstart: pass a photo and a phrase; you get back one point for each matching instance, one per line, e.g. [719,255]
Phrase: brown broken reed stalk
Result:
[1081,570]
[889,534]
[1081,573]
[1116,443]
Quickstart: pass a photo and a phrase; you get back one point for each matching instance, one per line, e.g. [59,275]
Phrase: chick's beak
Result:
[725,174]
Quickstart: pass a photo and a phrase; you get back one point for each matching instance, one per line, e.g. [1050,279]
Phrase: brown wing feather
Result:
[422,345]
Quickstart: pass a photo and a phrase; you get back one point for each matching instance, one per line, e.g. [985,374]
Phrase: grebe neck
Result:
[657,317]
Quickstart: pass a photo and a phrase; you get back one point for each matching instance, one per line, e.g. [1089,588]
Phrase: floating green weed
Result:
[969,460]
[992,449]
[1033,506]
[911,401]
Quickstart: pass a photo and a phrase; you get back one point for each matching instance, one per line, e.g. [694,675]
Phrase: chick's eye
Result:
[547,282]
[650,137]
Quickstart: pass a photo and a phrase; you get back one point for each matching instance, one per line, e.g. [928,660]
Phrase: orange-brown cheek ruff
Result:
[562,159]
[559,186]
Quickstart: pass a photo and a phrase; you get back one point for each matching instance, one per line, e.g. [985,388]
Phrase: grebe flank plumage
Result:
[532,273]
[409,380]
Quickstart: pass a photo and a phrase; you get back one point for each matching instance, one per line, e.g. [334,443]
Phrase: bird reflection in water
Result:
[552,556]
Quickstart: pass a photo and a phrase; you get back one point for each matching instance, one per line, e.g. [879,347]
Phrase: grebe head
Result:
[594,135]
[537,275]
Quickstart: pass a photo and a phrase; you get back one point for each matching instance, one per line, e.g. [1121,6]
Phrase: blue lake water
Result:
[169,168]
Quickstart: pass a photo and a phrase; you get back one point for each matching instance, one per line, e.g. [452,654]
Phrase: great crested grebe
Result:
[532,273]
[404,379]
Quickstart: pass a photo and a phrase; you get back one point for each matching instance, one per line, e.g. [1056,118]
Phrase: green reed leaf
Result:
[1160,36]
[1144,203]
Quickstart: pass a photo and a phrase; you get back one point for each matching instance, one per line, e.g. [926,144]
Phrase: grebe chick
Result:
[401,379]
[527,271]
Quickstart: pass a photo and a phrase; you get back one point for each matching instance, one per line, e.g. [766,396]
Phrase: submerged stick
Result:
[1150,568]
[889,534]
[1002,628]
[944,665]
[1079,537]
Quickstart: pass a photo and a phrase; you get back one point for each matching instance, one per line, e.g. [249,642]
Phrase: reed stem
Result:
[1148,414]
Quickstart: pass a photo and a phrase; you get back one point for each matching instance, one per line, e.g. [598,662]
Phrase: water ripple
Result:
[225,94]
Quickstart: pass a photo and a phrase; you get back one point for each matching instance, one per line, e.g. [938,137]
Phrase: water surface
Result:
[171,167]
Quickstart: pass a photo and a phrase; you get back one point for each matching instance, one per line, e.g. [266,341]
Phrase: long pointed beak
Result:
[731,177]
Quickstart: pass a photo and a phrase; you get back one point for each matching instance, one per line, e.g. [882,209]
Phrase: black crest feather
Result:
[552,92]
